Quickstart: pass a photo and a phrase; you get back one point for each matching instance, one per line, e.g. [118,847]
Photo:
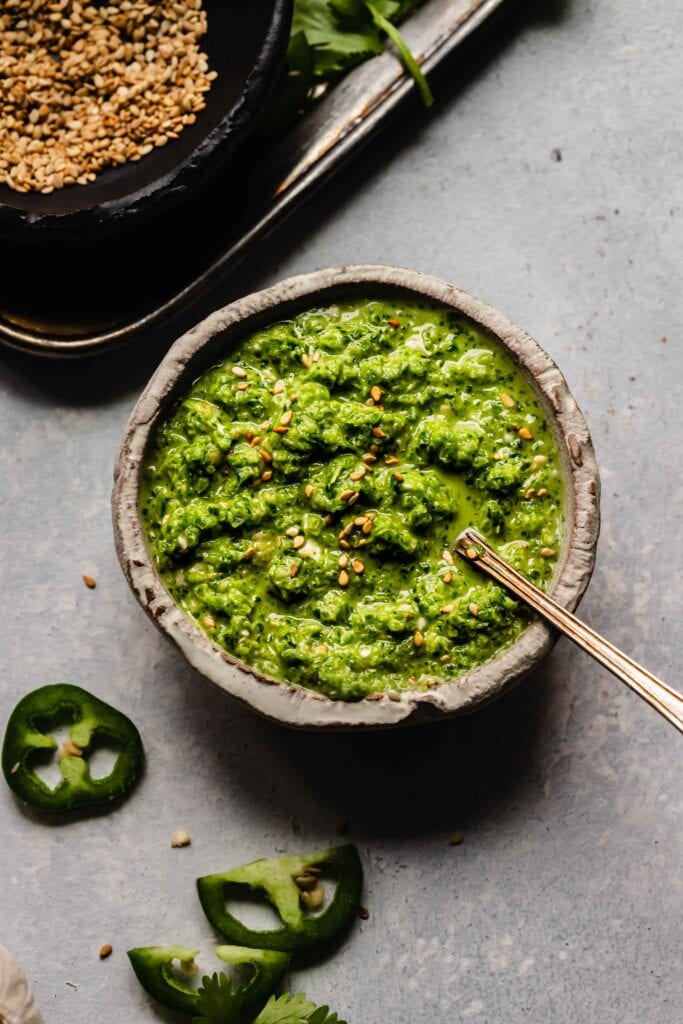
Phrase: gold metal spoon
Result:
[474,549]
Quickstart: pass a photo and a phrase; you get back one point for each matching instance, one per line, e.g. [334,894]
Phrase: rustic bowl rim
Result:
[295,706]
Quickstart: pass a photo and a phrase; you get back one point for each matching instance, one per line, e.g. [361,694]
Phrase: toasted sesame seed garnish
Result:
[278,387]
[343,579]
[499,456]
[344,544]
[293,570]
[525,434]
[531,493]
[456,839]
[268,475]
[209,621]
[447,609]
[255,441]
[507,400]
[376,392]
[181,838]
[329,519]
[354,499]
[369,401]
[343,561]
[281,430]
[447,556]
[363,912]
[347,531]
[378,432]
[286,418]
[105,951]
[15,768]
[393,322]
[539,460]
[367,526]
[548,552]
[360,521]
[472,554]
[249,434]
[306,360]
[361,542]
[473,609]
[346,494]
[293,398]
[418,638]
[398,477]
[369,457]
[444,659]
[244,385]
[391,460]
[308,490]
[90,582]
[374,448]
[543,492]
[266,456]
[358,474]
[239,371]
[316,356]
[358,566]
[298,542]
[292,531]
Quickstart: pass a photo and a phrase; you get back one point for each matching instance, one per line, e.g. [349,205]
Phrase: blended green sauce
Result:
[301,501]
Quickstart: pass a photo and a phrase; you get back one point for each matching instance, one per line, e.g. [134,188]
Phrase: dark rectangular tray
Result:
[76,299]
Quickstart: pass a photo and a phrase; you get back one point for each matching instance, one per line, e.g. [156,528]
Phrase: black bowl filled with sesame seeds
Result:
[114,111]
[290,483]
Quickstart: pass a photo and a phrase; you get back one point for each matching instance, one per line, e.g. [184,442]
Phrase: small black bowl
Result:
[246,42]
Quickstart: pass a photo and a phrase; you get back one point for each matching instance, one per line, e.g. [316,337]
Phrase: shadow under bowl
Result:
[246,42]
[211,341]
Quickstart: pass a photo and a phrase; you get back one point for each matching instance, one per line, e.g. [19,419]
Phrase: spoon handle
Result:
[474,549]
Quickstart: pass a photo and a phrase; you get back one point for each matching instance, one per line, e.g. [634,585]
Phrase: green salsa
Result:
[301,501]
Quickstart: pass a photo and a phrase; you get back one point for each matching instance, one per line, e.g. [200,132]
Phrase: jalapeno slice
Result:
[153,966]
[285,882]
[92,721]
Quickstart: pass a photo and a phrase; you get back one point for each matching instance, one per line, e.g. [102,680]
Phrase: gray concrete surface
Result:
[563,904]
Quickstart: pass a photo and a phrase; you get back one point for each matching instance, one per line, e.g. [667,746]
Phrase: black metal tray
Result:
[76,299]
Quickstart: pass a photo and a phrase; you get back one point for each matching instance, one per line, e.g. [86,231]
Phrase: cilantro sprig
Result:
[329,38]
[219,1003]
[289,1009]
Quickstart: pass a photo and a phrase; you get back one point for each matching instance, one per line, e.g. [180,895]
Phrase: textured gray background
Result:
[563,904]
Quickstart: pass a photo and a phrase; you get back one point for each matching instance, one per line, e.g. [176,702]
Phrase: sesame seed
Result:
[543,492]
[298,542]
[473,609]
[343,561]
[293,570]
[343,578]
[286,418]
[306,360]
[308,490]
[358,566]
[548,552]
[358,474]
[268,475]
[239,371]
[281,430]
[369,457]
[398,477]
[266,456]
[447,609]
[393,322]
[391,460]
[378,432]
[367,526]
[447,556]
[90,582]
[345,495]
[507,400]
[418,638]
[278,387]
[539,460]
[249,553]
[376,392]
[244,385]
[525,434]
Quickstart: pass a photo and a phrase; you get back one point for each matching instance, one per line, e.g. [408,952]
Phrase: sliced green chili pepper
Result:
[286,884]
[154,968]
[92,721]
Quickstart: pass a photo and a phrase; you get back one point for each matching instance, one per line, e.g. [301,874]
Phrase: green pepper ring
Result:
[92,719]
[275,879]
[152,966]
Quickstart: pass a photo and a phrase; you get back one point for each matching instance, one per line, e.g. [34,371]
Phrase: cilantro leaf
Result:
[218,1003]
[337,46]
[289,1009]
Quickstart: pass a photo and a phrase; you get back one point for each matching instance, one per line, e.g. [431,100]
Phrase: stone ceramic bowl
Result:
[212,340]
